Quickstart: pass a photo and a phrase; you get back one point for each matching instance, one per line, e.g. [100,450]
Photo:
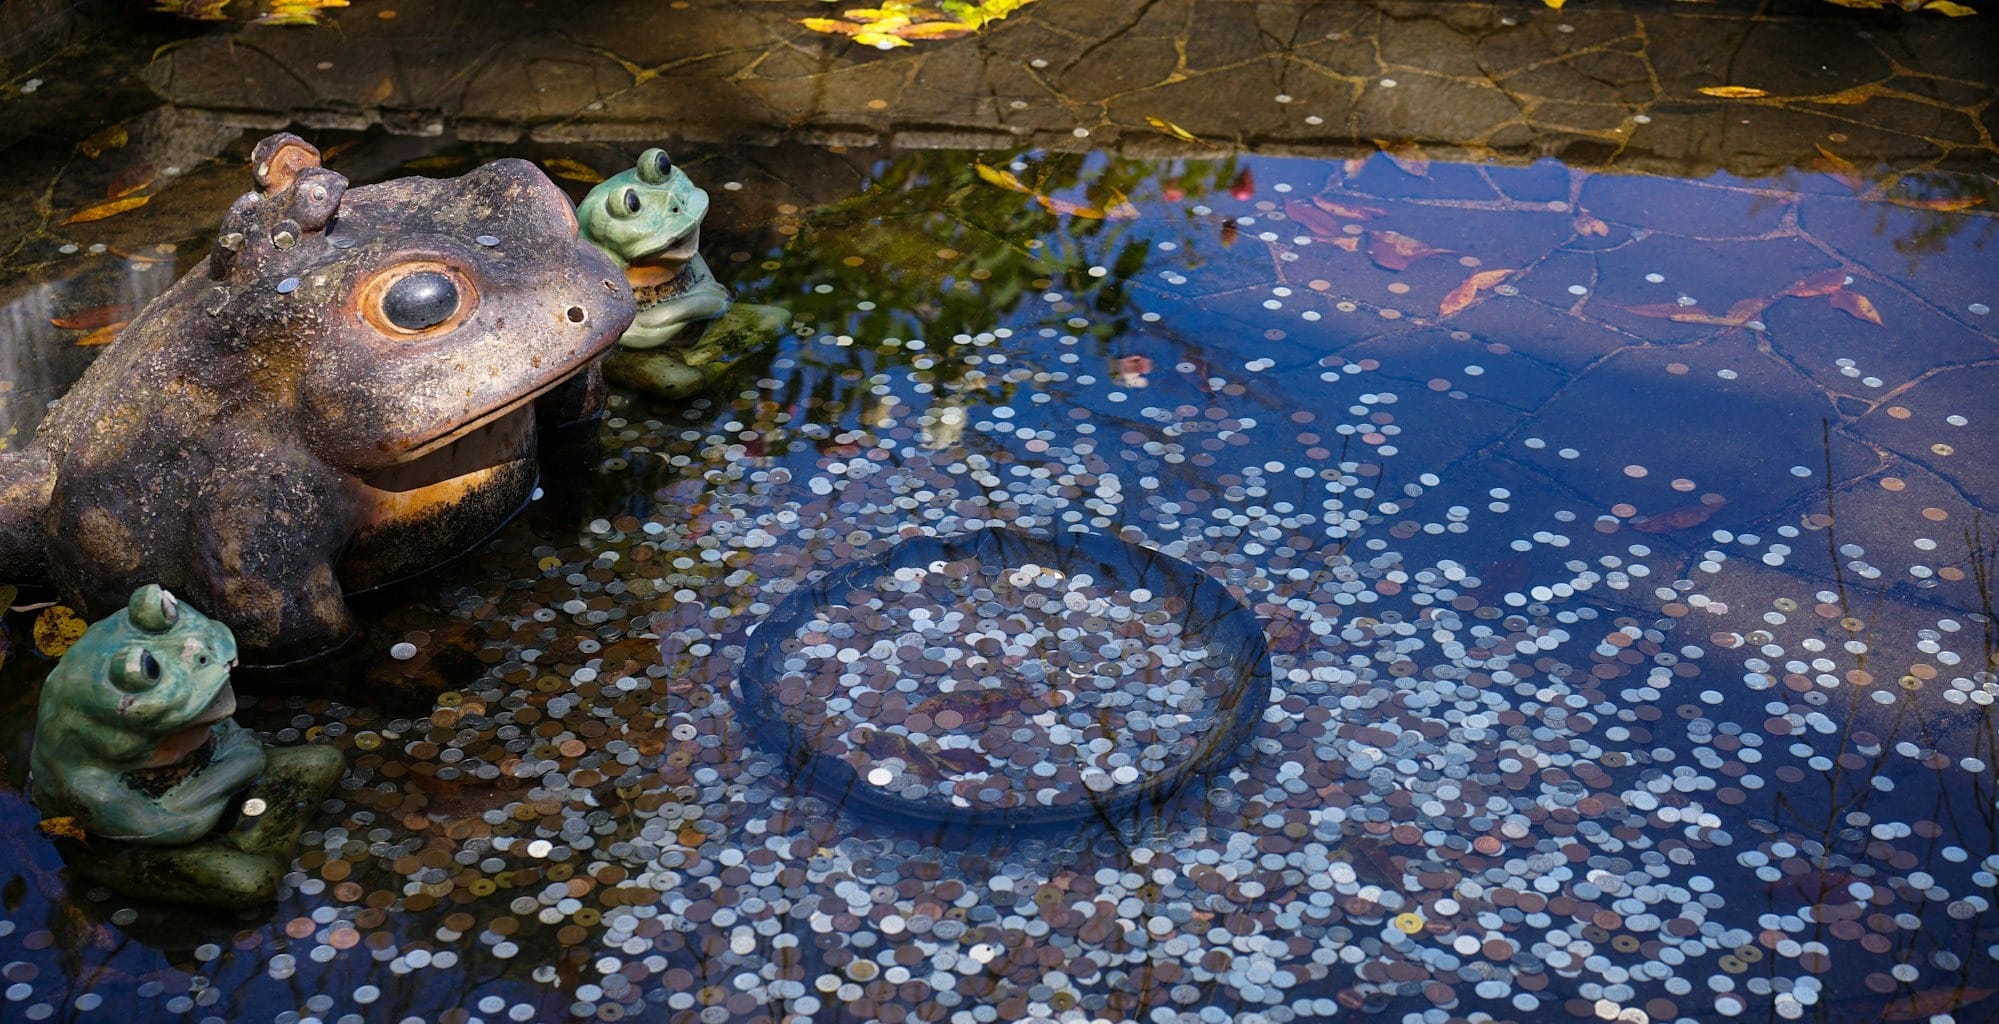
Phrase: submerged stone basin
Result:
[1004,677]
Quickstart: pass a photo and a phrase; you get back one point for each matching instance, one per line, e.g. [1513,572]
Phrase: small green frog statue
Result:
[173,799]
[687,334]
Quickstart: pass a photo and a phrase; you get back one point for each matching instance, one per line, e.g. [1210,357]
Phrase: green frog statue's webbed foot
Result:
[685,370]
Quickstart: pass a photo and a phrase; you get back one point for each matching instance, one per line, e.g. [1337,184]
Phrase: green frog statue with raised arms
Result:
[688,333]
[173,799]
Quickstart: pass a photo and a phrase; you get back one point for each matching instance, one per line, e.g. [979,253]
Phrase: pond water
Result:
[1619,544]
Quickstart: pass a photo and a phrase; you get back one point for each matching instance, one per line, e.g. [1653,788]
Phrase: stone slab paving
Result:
[1603,83]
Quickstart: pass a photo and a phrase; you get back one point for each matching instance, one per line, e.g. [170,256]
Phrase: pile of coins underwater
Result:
[1522,784]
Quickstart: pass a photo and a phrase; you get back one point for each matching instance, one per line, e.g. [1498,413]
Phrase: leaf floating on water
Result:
[91,319]
[441,162]
[1393,250]
[133,178]
[1463,294]
[1347,210]
[1316,222]
[1856,305]
[1949,9]
[113,137]
[1841,169]
[1407,156]
[1941,204]
[1004,179]
[109,209]
[56,630]
[64,827]
[1924,1005]
[1686,517]
[1824,282]
[572,170]
[1732,92]
[104,335]
[1590,225]
[1169,128]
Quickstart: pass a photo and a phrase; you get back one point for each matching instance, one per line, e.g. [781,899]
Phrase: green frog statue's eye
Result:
[138,671]
[625,202]
[654,166]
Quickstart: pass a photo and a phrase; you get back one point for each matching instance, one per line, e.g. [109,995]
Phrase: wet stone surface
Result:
[1619,667]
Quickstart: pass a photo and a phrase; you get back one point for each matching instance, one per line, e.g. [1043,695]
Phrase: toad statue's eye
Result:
[654,166]
[139,671]
[420,300]
[626,202]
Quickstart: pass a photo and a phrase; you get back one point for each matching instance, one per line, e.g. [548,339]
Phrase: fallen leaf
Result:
[1004,179]
[1942,204]
[1316,222]
[137,256]
[1949,9]
[1407,156]
[832,26]
[1590,225]
[1846,97]
[572,170]
[1841,169]
[1463,294]
[880,40]
[129,180]
[91,319]
[380,92]
[1244,185]
[1350,243]
[104,335]
[1664,310]
[64,827]
[108,209]
[1074,209]
[441,162]
[1347,210]
[56,630]
[1732,92]
[1172,129]
[1748,309]
[1554,5]
[113,137]
[1825,282]
[1393,250]
[1119,207]
[1856,305]
[936,30]
[1685,517]
[1923,1005]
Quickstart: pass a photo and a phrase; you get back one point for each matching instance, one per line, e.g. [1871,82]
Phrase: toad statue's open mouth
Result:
[665,273]
[176,748]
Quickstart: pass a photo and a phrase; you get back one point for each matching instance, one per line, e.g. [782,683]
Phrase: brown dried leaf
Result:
[104,335]
[1941,204]
[1315,221]
[1856,305]
[1924,1005]
[1732,92]
[1748,309]
[1407,156]
[1393,250]
[379,92]
[131,179]
[91,319]
[1685,517]
[572,170]
[1825,282]
[1350,243]
[1840,168]
[1664,310]
[107,209]
[1590,225]
[1463,294]
[1347,210]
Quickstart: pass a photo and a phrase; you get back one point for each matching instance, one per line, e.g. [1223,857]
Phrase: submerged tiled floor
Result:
[1628,585]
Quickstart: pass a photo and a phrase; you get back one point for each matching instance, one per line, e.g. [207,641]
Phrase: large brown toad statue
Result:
[340,395]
